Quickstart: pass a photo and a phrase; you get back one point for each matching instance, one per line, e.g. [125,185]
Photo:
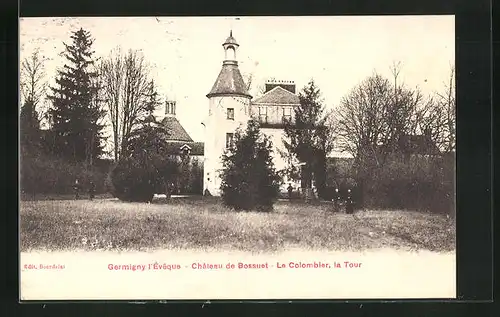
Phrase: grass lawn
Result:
[205,224]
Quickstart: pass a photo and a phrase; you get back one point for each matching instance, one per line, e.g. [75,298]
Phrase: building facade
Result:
[230,107]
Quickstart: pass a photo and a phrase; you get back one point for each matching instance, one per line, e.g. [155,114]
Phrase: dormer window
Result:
[185,149]
[230,113]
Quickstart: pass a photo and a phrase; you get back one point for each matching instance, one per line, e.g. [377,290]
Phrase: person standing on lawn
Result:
[290,190]
[91,190]
[336,200]
[349,205]
[76,189]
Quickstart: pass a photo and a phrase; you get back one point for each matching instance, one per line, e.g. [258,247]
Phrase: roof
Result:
[177,132]
[278,96]
[229,82]
[175,147]
[231,39]
[197,148]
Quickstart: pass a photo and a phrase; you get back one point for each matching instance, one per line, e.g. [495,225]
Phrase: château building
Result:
[230,106]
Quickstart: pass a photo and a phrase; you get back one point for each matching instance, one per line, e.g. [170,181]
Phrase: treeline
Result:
[402,143]
[89,94]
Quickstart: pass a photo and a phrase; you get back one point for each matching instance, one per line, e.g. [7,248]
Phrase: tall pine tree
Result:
[249,179]
[307,138]
[76,112]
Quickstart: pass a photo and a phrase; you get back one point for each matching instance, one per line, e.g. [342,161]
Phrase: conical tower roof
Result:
[229,81]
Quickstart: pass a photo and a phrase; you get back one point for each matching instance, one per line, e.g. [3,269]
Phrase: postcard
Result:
[237,158]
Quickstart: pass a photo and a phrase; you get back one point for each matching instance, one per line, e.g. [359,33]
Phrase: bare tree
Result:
[33,82]
[253,88]
[395,70]
[375,118]
[112,70]
[400,115]
[437,117]
[361,117]
[127,94]
[448,103]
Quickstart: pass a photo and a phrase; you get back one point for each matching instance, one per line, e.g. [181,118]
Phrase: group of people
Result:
[347,201]
[339,199]
[77,188]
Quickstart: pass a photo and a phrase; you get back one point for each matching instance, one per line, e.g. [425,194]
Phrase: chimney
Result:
[170,108]
[285,84]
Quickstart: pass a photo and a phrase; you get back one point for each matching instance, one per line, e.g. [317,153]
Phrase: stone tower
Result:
[228,109]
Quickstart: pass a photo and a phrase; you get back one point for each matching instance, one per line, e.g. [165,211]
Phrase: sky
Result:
[186,53]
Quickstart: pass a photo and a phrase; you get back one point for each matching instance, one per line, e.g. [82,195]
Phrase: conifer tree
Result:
[249,179]
[308,139]
[147,167]
[76,112]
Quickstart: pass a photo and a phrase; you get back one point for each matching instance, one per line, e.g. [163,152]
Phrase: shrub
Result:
[147,168]
[249,180]
[131,182]
[195,184]
[46,174]
[418,183]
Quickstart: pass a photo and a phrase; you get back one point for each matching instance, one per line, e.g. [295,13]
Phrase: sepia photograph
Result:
[210,158]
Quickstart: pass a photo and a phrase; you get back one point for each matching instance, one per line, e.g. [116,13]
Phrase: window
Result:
[229,140]
[230,113]
[170,108]
[287,114]
[263,114]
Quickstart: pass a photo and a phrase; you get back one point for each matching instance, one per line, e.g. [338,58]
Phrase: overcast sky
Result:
[187,53]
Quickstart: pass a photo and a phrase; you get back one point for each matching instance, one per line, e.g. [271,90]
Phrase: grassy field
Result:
[205,224]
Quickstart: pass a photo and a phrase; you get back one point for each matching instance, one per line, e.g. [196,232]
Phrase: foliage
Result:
[382,125]
[29,129]
[47,174]
[309,138]
[147,168]
[192,176]
[421,183]
[75,113]
[249,179]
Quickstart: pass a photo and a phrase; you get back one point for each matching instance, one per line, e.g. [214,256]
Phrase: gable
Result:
[278,96]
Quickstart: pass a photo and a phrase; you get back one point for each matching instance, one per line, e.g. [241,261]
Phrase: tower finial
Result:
[231,32]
